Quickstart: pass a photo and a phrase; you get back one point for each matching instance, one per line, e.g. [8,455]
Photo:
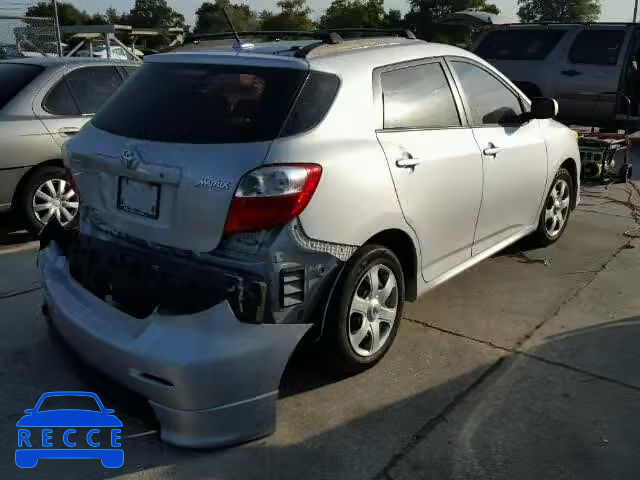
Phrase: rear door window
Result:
[202,103]
[597,47]
[14,77]
[490,101]
[93,86]
[418,97]
[519,44]
[59,100]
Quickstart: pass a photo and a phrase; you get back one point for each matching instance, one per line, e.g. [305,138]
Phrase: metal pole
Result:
[57,27]
[107,40]
[635,12]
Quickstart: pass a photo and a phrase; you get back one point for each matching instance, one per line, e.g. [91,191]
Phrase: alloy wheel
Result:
[373,310]
[557,208]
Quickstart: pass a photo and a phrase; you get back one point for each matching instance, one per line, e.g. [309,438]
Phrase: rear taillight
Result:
[271,196]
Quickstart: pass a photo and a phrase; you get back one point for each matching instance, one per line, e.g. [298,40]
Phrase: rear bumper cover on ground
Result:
[211,379]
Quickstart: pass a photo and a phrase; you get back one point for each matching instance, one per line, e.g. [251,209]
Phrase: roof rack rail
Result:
[322,35]
[326,35]
[398,32]
[331,36]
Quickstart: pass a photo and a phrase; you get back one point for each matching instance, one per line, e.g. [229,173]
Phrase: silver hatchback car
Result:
[43,102]
[238,199]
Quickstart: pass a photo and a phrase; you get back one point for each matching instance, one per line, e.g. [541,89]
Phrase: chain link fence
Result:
[27,37]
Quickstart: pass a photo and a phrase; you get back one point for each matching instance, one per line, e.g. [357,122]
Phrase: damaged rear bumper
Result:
[211,379]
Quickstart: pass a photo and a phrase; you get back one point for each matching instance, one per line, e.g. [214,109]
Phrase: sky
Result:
[612,10]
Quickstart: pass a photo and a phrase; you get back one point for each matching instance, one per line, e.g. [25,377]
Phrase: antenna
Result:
[233,29]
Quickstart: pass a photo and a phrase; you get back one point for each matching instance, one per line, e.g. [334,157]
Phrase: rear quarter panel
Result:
[25,143]
[355,198]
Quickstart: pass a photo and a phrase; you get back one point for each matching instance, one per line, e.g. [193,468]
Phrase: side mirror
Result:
[544,108]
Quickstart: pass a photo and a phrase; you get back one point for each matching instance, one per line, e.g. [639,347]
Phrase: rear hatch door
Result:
[162,159]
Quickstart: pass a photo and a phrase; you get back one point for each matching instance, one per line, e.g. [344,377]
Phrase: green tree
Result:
[394,19]
[210,17]
[559,10]
[354,14]
[294,15]
[423,14]
[154,14]
[67,13]
[110,16]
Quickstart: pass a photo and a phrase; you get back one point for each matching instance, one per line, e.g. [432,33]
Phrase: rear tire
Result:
[28,203]
[556,210]
[365,310]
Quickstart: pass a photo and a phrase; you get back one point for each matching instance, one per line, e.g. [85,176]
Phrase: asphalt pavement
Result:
[526,366]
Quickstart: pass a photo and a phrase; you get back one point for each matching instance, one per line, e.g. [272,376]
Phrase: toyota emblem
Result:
[129,160]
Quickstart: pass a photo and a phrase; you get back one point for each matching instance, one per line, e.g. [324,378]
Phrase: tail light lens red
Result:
[271,196]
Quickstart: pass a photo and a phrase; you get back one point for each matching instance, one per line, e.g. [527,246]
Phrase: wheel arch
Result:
[572,167]
[55,162]
[402,245]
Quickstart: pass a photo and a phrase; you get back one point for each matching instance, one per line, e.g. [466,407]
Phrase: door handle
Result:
[407,161]
[68,130]
[571,73]
[491,150]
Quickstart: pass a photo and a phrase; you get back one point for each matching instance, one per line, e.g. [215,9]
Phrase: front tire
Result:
[47,194]
[556,210]
[365,310]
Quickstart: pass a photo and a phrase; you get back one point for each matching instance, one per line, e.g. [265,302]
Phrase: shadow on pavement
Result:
[533,418]
[12,230]
[565,410]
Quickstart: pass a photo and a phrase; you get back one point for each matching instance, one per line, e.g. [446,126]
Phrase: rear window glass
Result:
[312,104]
[14,77]
[59,100]
[194,103]
[519,44]
[597,47]
[93,86]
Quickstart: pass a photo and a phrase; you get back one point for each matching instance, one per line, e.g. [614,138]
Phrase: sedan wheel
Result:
[44,195]
[55,197]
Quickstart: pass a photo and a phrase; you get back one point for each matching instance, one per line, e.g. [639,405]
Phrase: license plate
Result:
[139,198]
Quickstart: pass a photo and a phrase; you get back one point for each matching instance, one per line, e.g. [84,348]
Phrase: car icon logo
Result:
[129,160]
[69,433]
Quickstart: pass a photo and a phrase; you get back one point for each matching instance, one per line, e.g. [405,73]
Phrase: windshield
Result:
[190,103]
[14,77]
